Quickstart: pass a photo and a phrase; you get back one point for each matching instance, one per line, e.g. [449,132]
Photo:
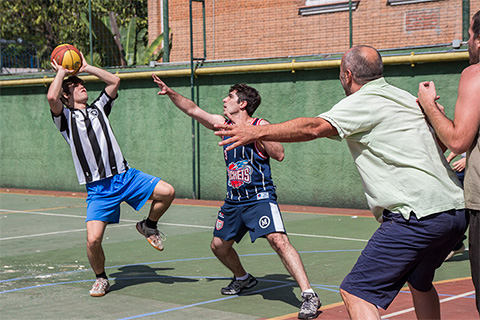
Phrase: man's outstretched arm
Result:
[295,130]
[188,106]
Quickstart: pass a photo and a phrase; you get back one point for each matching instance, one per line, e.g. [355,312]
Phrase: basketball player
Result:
[100,165]
[250,204]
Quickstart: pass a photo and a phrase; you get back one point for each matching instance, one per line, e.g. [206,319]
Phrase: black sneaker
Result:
[153,236]
[310,305]
[236,286]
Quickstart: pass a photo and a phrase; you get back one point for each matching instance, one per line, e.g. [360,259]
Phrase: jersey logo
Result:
[239,173]
[264,222]
[93,113]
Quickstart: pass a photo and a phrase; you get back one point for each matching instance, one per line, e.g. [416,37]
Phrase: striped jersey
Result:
[248,173]
[95,150]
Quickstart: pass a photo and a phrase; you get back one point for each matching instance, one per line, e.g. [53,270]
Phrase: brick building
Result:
[278,28]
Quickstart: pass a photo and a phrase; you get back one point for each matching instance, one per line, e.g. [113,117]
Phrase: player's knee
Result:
[278,241]
[93,242]
[218,245]
[163,192]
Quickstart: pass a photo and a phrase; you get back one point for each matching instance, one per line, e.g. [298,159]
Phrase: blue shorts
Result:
[260,218]
[106,195]
[403,251]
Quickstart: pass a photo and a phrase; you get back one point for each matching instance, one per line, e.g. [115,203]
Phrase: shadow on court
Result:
[274,287]
[133,275]
[459,257]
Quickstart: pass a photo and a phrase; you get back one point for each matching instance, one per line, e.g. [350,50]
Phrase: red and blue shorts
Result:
[259,218]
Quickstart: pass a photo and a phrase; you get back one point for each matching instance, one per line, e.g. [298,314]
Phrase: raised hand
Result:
[163,87]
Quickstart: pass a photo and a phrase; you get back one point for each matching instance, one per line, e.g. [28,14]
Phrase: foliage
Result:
[48,23]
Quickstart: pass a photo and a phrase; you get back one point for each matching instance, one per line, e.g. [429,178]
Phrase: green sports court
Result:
[46,275]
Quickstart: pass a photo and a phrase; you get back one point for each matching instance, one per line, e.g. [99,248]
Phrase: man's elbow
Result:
[459,147]
[116,80]
[52,98]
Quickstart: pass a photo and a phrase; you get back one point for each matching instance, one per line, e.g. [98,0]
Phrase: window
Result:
[398,2]
[326,6]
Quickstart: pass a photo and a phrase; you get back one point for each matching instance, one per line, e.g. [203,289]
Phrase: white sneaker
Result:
[100,287]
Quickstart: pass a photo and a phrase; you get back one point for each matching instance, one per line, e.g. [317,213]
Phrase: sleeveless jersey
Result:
[249,176]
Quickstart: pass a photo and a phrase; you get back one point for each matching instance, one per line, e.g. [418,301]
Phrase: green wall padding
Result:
[155,136]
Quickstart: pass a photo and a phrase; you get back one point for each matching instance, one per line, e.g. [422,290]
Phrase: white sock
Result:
[307,291]
[242,278]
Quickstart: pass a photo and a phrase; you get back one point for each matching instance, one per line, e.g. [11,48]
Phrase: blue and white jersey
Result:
[95,150]
[249,176]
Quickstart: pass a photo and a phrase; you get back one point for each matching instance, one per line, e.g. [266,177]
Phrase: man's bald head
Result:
[364,62]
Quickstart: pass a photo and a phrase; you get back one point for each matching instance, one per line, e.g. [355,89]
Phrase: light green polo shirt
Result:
[401,166]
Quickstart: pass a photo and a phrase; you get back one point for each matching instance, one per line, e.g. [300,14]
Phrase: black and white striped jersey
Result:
[95,150]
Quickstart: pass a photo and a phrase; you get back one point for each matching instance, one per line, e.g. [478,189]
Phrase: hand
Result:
[427,94]
[59,68]
[240,133]
[84,63]
[163,87]
[459,165]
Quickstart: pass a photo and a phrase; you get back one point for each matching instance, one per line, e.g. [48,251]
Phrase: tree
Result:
[48,23]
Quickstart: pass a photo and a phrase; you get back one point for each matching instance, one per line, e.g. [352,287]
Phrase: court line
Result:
[161,223]
[441,301]
[58,232]
[204,302]
[160,262]
[282,284]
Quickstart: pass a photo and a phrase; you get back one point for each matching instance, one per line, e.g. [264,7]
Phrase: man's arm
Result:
[188,106]
[457,135]
[55,89]
[295,130]
[111,80]
[274,149]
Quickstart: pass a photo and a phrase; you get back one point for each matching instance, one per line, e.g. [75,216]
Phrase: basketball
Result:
[68,57]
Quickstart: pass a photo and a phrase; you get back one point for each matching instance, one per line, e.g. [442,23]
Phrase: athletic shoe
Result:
[154,237]
[454,252]
[237,286]
[100,287]
[310,305]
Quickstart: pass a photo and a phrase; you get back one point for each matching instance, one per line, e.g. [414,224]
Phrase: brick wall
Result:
[274,28]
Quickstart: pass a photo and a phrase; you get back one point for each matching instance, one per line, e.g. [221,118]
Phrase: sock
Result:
[102,275]
[242,278]
[151,224]
[308,291]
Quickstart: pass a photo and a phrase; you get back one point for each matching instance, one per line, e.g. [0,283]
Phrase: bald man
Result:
[409,186]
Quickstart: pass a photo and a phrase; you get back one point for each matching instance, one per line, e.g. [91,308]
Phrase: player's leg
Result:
[427,304]
[96,256]
[359,309]
[162,197]
[139,187]
[294,265]
[290,258]
[229,228]
[474,252]
[410,250]
[227,255]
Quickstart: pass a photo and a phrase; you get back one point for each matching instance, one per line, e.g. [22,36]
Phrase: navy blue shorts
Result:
[106,195]
[259,218]
[403,251]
